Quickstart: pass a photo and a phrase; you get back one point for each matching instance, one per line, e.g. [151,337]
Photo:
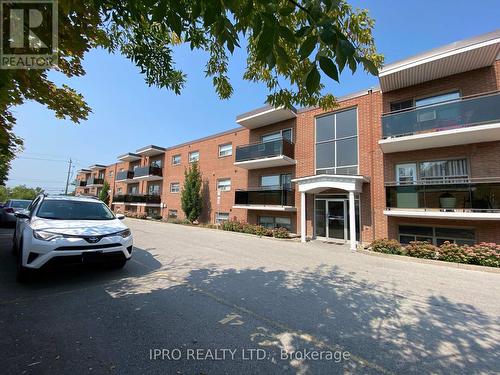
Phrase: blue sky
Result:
[127,114]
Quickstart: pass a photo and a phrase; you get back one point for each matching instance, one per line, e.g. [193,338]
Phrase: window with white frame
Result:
[176,159]
[194,156]
[436,235]
[433,171]
[225,150]
[337,143]
[281,134]
[221,216]
[272,222]
[175,187]
[224,184]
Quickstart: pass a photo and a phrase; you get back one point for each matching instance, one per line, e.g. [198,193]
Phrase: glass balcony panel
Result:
[275,197]
[463,113]
[264,150]
[137,198]
[147,171]
[124,175]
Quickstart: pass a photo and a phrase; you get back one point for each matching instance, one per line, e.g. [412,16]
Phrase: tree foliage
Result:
[104,193]
[288,44]
[19,192]
[191,199]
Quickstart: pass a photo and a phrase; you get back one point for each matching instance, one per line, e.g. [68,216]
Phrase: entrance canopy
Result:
[318,183]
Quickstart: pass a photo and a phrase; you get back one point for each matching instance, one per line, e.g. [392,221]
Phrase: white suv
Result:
[68,230]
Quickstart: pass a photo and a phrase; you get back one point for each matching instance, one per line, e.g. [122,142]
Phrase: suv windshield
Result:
[74,210]
[19,204]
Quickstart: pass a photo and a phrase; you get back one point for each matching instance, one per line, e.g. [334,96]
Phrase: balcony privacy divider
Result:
[466,112]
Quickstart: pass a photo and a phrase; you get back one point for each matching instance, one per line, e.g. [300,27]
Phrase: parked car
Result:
[8,210]
[67,230]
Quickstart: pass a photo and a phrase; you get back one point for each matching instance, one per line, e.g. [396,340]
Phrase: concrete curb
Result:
[441,263]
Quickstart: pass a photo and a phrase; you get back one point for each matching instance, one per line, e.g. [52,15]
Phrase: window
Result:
[111,173]
[194,156]
[172,214]
[101,175]
[402,105]
[276,181]
[436,235]
[437,99]
[154,189]
[224,184]
[133,189]
[176,159]
[272,222]
[434,171]
[175,187]
[156,163]
[221,216]
[282,134]
[337,143]
[119,190]
[225,150]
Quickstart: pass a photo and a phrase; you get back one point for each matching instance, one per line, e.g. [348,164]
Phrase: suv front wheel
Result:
[23,273]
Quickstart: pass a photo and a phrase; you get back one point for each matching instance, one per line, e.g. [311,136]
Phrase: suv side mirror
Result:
[22,214]
[120,216]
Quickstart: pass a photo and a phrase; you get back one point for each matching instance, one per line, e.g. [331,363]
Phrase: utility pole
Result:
[67,178]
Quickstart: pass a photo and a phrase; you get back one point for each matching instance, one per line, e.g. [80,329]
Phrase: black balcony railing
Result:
[95,181]
[459,196]
[147,171]
[81,183]
[137,198]
[263,196]
[264,150]
[472,111]
[124,175]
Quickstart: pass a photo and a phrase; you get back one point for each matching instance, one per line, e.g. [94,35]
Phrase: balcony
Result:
[124,176]
[477,199]
[81,183]
[148,173]
[94,181]
[469,120]
[265,154]
[137,199]
[271,199]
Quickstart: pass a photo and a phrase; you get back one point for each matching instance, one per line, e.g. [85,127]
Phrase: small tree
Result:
[104,193]
[191,193]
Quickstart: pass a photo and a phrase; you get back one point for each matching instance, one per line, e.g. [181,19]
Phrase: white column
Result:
[352,221]
[303,217]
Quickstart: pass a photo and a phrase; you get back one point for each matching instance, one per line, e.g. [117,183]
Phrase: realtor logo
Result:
[28,33]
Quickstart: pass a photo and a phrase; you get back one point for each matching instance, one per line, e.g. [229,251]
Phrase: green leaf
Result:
[329,68]
[328,36]
[302,31]
[312,80]
[369,65]
[308,46]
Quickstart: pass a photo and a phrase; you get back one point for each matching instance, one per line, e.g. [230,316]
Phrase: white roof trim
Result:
[321,182]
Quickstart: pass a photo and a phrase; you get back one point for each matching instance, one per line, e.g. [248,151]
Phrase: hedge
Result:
[484,254]
[237,226]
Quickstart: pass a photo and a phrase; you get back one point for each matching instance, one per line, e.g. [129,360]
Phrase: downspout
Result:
[372,166]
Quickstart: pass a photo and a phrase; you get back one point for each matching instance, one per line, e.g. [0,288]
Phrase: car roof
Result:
[19,200]
[71,198]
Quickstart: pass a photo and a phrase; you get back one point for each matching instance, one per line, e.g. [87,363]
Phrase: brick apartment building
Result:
[416,159]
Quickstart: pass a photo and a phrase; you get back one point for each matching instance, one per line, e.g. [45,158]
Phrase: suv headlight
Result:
[45,236]
[125,233]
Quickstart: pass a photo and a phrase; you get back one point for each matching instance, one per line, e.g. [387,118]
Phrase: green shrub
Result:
[249,228]
[451,252]
[281,233]
[422,249]
[263,231]
[484,254]
[387,246]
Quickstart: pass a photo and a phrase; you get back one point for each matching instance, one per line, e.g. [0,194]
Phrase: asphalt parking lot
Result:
[199,301]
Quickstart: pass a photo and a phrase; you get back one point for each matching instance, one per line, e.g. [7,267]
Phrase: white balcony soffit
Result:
[129,156]
[456,215]
[150,150]
[97,167]
[275,161]
[82,171]
[149,177]
[442,138]
[265,116]
[264,207]
[454,58]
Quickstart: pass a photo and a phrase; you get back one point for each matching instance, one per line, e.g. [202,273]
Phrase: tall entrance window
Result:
[337,143]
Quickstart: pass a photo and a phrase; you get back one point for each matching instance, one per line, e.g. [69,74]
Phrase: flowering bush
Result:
[237,226]
[420,249]
[387,246]
[484,254]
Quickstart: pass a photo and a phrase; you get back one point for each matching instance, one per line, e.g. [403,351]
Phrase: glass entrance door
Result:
[336,216]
